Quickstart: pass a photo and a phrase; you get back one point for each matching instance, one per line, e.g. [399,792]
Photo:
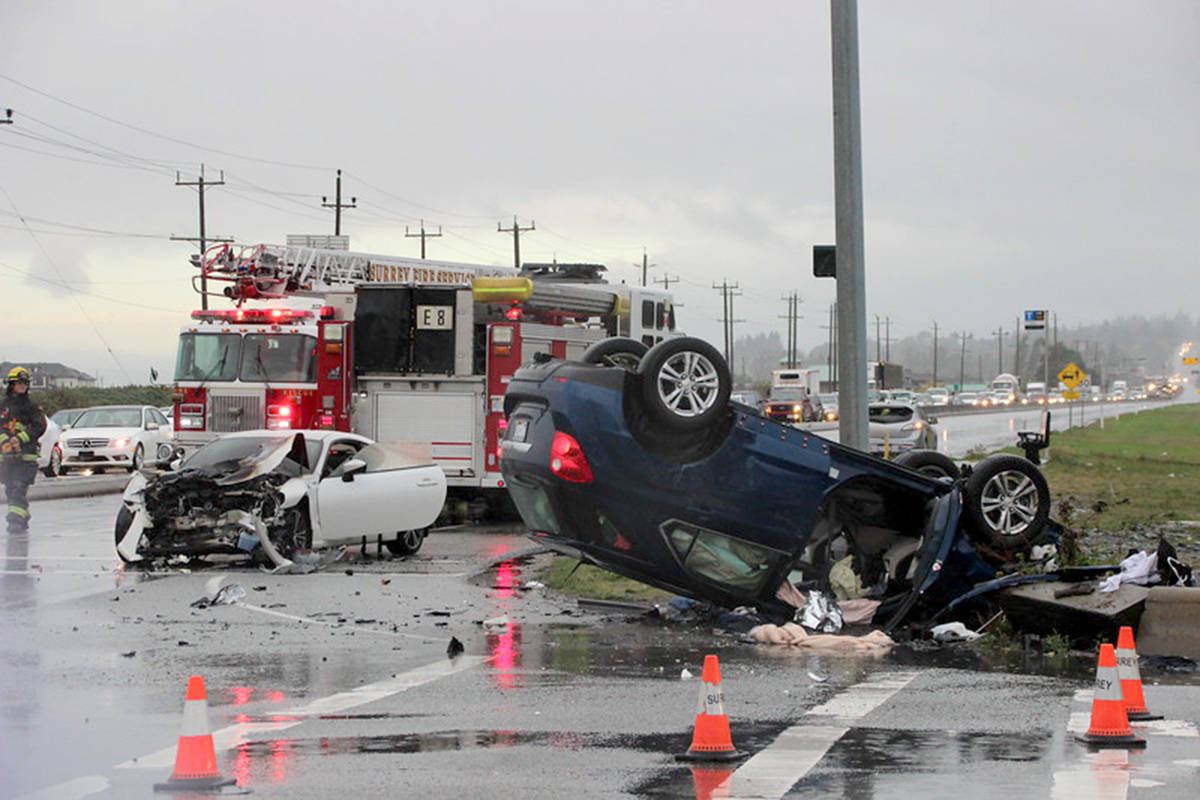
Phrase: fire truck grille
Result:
[236,413]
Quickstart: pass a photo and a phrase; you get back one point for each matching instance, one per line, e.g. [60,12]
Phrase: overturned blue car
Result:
[635,460]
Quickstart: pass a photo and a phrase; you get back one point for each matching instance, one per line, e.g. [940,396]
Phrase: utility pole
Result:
[793,317]
[337,205]
[935,349]
[878,339]
[1000,333]
[1017,366]
[831,359]
[962,359]
[645,266]
[666,280]
[887,338]
[727,294]
[423,235]
[201,184]
[516,231]
[848,205]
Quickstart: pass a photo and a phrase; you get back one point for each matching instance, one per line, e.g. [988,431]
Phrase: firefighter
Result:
[21,425]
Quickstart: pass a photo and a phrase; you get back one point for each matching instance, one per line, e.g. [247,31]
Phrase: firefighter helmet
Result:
[19,375]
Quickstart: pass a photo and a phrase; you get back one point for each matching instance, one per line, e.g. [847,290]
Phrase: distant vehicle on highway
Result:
[897,427]
[748,398]
[829,406]
[938,395]
[902,396]
[1005,387]
[965,399]
[789,404]
[1035,393]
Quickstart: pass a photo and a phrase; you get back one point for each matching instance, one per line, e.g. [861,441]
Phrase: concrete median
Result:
[72,486]
[1170,624]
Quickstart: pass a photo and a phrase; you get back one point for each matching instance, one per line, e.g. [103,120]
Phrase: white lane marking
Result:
[237,734]
[357,628]
[771,772]
[71,790]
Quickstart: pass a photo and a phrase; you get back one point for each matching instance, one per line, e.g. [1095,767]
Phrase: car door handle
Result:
[427,483]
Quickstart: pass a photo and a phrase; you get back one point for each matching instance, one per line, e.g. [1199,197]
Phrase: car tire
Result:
[54,467]
[124,520]
[138,460]
[407,543]
[685,384]
[294,534]
[616,351]
[929,462]
[1008,503]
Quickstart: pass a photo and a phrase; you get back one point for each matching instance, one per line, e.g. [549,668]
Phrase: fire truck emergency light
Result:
[252,314]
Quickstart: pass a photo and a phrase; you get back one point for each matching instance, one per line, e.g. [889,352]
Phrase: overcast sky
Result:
[1015,154]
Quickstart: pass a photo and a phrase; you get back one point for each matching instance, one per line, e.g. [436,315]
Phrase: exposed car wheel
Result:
[1008,502]
[124,520]
[139,459]
[685,383]
[294,534]
[407,543]
[617,351]
[55,467]
[929,462]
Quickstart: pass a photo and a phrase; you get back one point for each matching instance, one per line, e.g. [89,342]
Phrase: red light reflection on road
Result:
[263,762]
[507,580]
[505,649]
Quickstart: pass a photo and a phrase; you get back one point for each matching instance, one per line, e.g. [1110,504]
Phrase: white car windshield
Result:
[110,418]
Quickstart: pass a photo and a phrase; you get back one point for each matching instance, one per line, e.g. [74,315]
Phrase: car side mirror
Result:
[931,420]
[352,467]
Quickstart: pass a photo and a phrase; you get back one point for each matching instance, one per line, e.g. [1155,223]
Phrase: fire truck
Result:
[392,348]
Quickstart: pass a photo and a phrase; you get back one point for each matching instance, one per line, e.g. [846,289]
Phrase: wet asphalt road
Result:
[339,682]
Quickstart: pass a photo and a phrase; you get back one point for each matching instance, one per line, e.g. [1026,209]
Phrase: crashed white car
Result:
[275,493]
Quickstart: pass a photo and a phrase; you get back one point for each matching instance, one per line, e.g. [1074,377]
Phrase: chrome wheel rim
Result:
[688,384]
[56,462]
[1009,502]
[411,540]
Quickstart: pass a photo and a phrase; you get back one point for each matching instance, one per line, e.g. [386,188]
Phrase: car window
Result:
[733,563]
[890,414]
[380,457]
[157,416]
[339,453]
[109,418]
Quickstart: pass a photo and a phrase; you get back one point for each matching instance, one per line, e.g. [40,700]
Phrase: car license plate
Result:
[86,454]
[518,430]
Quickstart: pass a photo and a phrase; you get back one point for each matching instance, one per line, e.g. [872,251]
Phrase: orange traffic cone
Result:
[711,740]
[195,757]
[1131,678]
[1109,726]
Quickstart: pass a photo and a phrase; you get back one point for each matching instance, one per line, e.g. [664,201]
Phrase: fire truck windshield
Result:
[208,357]
[279,358]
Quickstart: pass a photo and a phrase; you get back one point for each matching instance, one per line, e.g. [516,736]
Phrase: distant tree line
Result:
[51,400]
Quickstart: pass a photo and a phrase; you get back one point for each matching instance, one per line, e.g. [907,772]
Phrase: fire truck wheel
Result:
[685,383]
[407,543]
[617,351]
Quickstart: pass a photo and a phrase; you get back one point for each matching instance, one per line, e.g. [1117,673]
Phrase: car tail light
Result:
[567,460]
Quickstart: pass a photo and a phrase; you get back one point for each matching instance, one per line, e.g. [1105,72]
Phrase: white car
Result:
[275,492]
[49,454]
[117,436]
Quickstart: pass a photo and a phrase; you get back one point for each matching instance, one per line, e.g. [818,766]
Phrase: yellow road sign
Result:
[1072,376]
[1191,360]
[1070,395]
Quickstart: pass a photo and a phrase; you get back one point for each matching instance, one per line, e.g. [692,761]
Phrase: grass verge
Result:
[596,583]
[1142,468]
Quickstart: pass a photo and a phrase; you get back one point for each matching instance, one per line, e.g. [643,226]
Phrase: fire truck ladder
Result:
[271,271]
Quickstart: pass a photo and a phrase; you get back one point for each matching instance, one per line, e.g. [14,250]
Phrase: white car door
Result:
[392,494]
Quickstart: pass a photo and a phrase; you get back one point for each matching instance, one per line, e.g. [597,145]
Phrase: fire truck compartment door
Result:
[448,420]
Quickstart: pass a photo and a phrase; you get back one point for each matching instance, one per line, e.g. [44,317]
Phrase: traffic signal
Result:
[824,261]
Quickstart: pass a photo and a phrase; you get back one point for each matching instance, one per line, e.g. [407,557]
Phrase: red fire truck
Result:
[392,348]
